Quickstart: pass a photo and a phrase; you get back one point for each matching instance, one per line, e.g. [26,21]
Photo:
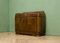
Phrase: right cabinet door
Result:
[31,24]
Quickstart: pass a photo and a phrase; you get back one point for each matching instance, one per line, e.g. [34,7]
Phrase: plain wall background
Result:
[51,8]
[4,16]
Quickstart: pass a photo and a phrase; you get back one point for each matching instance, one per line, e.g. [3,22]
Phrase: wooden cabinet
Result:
[30,23]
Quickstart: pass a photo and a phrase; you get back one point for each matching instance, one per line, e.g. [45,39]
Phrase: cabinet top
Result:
[36,13]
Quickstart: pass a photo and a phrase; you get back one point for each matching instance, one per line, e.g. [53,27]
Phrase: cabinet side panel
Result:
[42,25]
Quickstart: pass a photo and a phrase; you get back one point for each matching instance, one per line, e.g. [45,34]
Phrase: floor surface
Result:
[13,38]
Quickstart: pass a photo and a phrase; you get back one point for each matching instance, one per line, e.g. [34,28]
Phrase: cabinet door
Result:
[31,24]
[19,23]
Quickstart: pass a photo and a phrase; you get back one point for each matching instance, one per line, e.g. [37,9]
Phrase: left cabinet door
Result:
[19,23]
